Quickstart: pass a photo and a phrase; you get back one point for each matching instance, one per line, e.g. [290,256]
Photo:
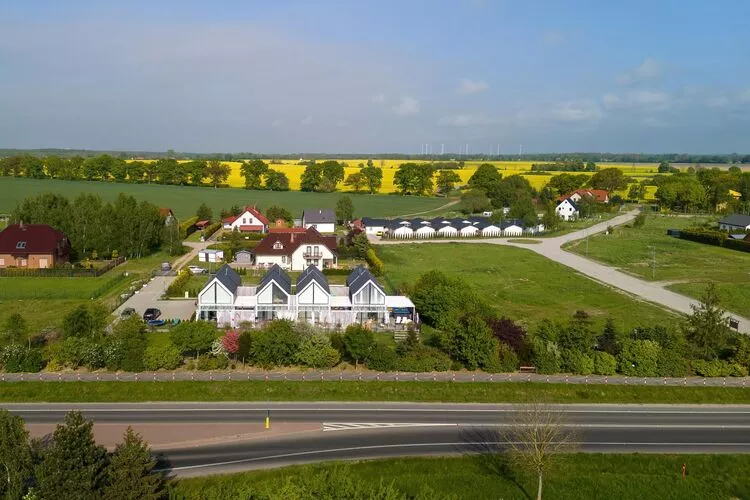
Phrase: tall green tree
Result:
[487,178]
[707,328]
[358,341]
[475,201]
[373,176]
[414,178]
[332,173]
[217,172]
[276,181]
[253,172]
[565,183]
[15,456]
[446,181]
[204,212]
[275,212]
[73,465]
[193,337]
[311,178]
[344,209]
[130,473]
[356,181]
[610,179]
[196,171]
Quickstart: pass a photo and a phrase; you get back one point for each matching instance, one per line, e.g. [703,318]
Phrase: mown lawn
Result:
[184,200]
[689,265]
[573,476]
[518,283]
[446,392]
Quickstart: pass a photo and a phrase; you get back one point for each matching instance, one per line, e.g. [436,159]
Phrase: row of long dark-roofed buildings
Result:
[225,300]
[441,227]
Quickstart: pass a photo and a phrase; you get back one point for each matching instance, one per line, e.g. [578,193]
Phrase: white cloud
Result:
[465,120]
[649,98]
[406,106]
[277,123]
[648,70]
[611,101]
[306,120]
[472,87]
[584,110]
[378,98]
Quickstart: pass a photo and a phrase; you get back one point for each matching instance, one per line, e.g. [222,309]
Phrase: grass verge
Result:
[573,476]
[448,392]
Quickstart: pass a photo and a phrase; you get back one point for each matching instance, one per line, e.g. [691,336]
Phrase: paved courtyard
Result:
[149,296]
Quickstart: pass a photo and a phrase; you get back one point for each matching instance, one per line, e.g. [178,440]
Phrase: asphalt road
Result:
[348,431]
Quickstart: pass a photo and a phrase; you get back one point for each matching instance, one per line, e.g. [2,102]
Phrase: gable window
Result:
[278,246]
[244,220]
[21,245]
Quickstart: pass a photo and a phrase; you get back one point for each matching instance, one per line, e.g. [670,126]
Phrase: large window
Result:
[278,296]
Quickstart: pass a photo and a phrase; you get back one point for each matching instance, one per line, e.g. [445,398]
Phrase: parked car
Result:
[151,313]
[166,266]
[155,322]
[197,269]
[127,312]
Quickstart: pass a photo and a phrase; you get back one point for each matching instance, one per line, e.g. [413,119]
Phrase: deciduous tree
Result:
[15,456]
[253,172]
[373,176]
[217,172]
[447,180]
[358,341]
[344,209]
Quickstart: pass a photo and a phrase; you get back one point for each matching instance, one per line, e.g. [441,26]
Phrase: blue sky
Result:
[387,76]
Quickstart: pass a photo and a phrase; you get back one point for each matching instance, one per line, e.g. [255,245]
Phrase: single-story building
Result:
[243,257]
[312,299]
[322,219]
[297,251]
[249,221]
[33,246]
[202,224]
[371,225]
[567,209]
[210,255]
[735,222]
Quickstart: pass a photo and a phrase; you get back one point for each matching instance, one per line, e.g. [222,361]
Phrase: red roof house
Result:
[601,195]
[297,250]
[33,246]
[249,221]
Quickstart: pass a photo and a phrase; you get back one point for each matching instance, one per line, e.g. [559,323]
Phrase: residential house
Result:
[371,225]
[567,209]
[735,222]
[322,219]
[249,221]
[296,251]
[600,195]
[312,299]
[33,246]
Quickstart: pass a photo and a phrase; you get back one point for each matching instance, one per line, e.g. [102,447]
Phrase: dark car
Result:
[151,313]
[127,312]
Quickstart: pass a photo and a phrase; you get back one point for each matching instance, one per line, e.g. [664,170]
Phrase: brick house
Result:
[33,246]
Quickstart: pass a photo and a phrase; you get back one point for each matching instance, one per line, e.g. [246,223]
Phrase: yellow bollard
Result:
[268,420]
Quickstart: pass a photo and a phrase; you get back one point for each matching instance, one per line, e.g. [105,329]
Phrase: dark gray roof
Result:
[736,220]
[228,277]
[572,202]
[373,222]
[312,273]
[358,278]
[319,216]
[279,276]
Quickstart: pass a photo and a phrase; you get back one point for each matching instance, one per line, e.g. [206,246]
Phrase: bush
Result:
[718,368]
[275,345]
[16,358]
[640,220]
[358,341]
[577,362]
[505,360]
[316,351]
[374,262]
[639,358]
[187,227]
[546,357]
[210,230]
[382,358]
[604,363]
[424,359]
[207,362]
[672,363]
[177,287]
[162,357]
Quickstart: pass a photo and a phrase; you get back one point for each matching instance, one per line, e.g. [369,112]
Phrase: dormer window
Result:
[278,246]
[21,245]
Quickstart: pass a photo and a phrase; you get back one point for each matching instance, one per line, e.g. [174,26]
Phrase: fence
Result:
[367,376]
[61,272]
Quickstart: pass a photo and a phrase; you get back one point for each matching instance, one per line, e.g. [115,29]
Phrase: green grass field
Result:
[518,283]
[446,392]
[688,265]
[184,200]
[491,477]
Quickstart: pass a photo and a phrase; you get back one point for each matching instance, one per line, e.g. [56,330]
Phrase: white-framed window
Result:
[21,245]
[278,245]
[244,220]
[283,259]
[2,262]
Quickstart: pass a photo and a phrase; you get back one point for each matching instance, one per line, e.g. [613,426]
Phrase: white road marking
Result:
[347,426]
[422,445]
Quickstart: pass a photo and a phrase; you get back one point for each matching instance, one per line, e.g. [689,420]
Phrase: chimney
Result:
[21,226]
[292,237]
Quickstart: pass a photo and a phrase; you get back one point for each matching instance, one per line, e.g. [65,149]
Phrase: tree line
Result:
[99,229]
[72,465]
[703,189]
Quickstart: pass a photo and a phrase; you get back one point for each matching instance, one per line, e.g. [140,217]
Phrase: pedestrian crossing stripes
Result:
[348,426]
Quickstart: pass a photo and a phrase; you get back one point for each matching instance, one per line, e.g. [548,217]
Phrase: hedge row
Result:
[376,265]
[211,229]
[187,227]
[716,238]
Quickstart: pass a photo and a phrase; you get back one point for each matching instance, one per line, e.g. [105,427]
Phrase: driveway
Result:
[550,248]
[149,296]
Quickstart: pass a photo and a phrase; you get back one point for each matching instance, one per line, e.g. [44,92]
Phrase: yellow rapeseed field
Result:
[390,166]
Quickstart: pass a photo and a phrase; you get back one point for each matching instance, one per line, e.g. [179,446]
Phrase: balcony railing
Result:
[312,255]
